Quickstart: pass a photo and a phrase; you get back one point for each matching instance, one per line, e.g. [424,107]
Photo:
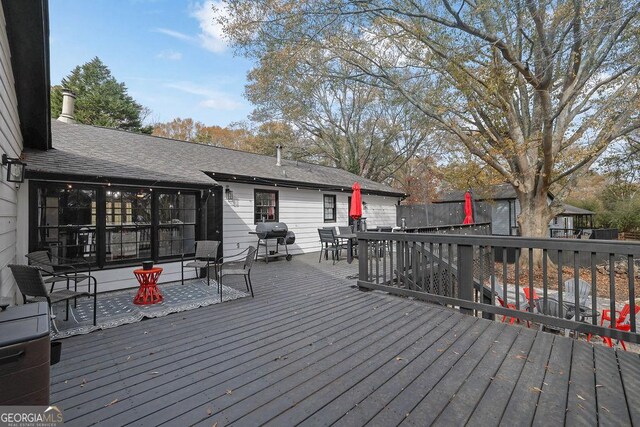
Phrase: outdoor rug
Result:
[117,308]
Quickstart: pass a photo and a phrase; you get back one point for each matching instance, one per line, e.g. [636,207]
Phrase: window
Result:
[66,221]
[110,225]
[265,206]
[329,208]
[128,224]
[177,229]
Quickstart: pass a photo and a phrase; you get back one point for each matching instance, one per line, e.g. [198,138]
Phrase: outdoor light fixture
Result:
[15,169]
[228,193]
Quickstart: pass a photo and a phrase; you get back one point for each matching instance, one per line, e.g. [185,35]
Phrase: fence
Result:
[462,271]
[441,214]
[465,229]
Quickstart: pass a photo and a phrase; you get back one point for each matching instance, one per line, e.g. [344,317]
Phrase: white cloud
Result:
[170,55]
[175,34]
[214,99]
[211,36]
[223,102]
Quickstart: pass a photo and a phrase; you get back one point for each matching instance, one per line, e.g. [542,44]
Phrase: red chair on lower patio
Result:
[623,323]
[512,306]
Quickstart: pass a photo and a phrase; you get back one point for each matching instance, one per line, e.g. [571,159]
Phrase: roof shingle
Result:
[90,150]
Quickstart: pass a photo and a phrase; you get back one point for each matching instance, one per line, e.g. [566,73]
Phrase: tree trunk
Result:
[533,221]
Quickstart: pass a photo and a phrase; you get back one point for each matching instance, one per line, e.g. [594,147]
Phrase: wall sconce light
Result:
[15,169]
[228,194]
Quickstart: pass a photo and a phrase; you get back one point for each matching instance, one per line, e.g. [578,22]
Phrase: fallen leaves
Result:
[84,381]
[229,392]
[111,403]
[536,389]
[209,412]
[580,397]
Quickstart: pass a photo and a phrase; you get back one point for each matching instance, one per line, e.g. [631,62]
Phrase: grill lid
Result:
[271,230]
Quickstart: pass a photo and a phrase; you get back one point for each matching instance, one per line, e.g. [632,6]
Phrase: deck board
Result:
[612,408]
[630,372]
[435,401]
[552,402]
[252,390]
[581,406]
[310,349]
[490,408]
[522,404]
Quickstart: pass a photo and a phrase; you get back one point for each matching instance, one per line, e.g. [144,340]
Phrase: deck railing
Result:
[468,272]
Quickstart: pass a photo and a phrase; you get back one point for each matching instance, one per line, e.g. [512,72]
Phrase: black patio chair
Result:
[329,243]
[236,267]
[206,257]
[33,288]
[57,269]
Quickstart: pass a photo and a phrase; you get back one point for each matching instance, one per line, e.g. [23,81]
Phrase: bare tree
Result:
[350,124]
[536,89]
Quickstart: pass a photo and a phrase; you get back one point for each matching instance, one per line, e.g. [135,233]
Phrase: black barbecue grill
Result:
[279,231]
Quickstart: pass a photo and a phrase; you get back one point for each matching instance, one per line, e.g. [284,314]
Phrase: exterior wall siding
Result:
[11,145]
[301,210]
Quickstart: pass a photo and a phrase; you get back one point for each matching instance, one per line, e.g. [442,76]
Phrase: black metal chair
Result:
[58,269]
[206,257]
[238,268]
[329,243]
[33,288]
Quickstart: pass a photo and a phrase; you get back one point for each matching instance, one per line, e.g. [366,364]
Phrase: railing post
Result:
[363,262]
[465,275]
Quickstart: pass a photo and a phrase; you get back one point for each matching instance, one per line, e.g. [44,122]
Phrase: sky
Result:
[169,53]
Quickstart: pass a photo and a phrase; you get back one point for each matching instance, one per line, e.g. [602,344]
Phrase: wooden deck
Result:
[310,349]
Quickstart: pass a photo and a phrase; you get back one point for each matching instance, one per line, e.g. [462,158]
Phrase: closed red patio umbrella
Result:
[355,210]
[468,209]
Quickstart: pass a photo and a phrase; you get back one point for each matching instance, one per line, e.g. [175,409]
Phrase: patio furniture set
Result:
[334,243]
[37,281]
[551,307]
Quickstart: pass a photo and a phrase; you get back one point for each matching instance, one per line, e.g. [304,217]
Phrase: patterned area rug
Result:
[117,308]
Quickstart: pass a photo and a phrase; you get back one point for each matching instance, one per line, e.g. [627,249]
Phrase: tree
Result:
[340,122]
[535,89]
[100,99]
[420,179]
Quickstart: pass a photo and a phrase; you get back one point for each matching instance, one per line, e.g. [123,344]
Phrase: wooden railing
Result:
[467,272]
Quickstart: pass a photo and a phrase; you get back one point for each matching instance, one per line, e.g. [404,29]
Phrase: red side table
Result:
[148,292]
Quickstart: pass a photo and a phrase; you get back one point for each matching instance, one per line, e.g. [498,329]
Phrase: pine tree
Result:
[100,99]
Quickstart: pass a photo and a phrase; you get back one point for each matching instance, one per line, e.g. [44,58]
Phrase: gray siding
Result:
[10,144]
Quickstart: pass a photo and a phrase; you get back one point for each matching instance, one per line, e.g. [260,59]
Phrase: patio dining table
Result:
[349,237]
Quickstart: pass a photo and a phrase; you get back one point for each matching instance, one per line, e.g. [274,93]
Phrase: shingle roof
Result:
[574,210]
[91,150]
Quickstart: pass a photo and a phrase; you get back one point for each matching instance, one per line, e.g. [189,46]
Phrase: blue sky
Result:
[169,53]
